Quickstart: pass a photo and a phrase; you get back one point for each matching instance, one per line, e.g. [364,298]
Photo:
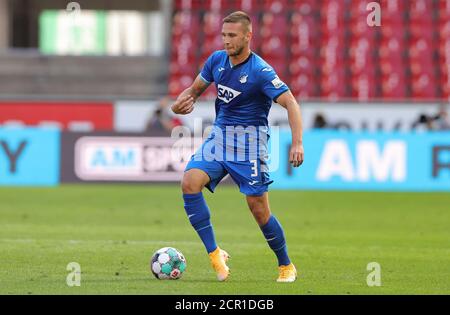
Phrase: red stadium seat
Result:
[273,25]
[275,6]
[393,86]
[360,29]
[393,11]
[444,51]
[177,69]
[302,65]
[445,86]
[444,10]
[214,6]
[274,47]
[392,49]
[444,30]
[188,4]
[305,7]
[364,87]
[423,86]
[333,18]
[179,84]
[421,11]
[361,60]
[303,87]
[421,55]
[279,65]
[325,48]
[212,23]
[248,5]
[185,22]
[210,45]
[332,56]
[333,85]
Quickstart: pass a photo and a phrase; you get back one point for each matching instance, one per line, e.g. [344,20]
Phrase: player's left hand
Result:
[296,155]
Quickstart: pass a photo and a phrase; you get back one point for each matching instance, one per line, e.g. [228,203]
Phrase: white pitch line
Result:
[25,240]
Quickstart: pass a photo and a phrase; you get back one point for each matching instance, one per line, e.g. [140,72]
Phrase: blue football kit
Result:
[238,142]
[237,145]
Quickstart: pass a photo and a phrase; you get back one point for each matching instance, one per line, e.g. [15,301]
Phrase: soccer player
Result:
[246,87]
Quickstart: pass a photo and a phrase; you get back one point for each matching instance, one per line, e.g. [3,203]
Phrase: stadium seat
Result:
[210,45]
[393,86]
[444,30]
[212,24]
[423,86]
[275,6]
[304,7]
[273,25]
[185,22]
[364,86]
[325,48]
[248,5]
[393,11]
[214,6]
[421,11]
[188,4]
[333,85]
[333,17]
[179,84]
[444,10]
[304,86]
[274,47]
[302,65]
[279,65]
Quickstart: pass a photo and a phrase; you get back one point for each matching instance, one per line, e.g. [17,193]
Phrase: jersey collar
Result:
[242,63]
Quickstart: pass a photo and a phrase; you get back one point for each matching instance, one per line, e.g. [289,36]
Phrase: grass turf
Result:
[112,231]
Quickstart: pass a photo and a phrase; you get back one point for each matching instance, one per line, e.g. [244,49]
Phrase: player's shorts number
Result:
[254,168]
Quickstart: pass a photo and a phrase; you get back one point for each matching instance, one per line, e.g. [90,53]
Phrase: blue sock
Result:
[199,216]
[273,232]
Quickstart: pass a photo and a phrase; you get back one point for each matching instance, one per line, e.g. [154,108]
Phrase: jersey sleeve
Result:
[271,84]
[206,73]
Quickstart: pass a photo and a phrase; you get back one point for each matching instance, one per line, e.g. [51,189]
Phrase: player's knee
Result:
[190,186]
[259,209]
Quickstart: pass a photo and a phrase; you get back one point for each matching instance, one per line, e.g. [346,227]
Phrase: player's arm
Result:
[296,154]
[184,104]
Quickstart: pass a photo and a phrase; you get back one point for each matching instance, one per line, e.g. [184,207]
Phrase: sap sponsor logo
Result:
[373,163]
[129,159]
[226,94]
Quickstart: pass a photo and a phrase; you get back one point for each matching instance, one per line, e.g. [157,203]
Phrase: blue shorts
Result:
[251,176]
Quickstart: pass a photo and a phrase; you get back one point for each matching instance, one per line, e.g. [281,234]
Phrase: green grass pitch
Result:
[112,231]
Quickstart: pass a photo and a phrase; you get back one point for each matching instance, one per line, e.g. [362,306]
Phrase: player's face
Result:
[235,38]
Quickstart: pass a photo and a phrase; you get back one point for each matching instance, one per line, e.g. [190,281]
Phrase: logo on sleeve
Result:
[277,83]
[226,94]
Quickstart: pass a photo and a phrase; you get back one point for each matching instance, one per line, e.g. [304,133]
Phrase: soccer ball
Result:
[168,263]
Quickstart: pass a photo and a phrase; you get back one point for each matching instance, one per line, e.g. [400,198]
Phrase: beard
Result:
[237,52]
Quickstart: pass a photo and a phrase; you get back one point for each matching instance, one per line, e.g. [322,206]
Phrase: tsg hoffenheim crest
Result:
[243,78]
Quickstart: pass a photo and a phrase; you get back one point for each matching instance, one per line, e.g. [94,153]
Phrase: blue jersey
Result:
[244,92]
[238,143]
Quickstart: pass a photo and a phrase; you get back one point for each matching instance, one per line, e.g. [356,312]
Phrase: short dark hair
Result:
[239,17]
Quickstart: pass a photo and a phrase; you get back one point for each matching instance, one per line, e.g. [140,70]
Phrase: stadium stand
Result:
[325,49]
[31,74]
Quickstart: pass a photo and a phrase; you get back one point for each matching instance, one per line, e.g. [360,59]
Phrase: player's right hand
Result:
[183,105]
